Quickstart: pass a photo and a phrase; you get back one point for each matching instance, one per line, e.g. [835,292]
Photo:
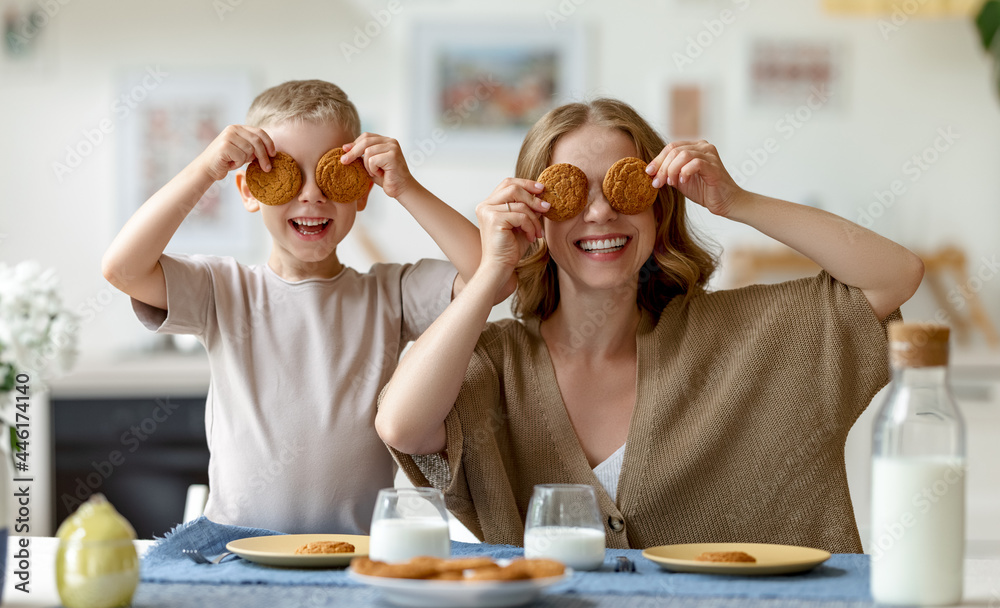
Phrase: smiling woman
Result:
[696,416]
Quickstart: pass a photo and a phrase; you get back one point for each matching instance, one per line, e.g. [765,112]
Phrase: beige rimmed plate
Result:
[279,550]
[771,559]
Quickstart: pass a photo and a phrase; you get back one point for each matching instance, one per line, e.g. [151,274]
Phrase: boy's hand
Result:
[383,160]
[234,147]
[696,171]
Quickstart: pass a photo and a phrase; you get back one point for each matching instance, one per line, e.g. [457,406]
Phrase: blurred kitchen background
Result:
[886,115]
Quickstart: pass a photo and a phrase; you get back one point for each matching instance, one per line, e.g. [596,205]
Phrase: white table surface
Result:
[982,588]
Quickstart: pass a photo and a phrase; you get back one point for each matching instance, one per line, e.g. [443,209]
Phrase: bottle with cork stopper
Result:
[918,475]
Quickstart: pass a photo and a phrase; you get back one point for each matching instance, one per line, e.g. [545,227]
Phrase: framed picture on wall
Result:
[478,87]
[788,72]
[166,118]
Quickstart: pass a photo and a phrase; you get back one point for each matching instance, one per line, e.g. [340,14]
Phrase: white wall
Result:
[929,75]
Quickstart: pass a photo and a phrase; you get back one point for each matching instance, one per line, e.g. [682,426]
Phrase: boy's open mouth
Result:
[309,226]
[603,245]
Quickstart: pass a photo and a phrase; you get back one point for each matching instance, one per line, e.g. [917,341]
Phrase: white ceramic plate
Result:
[771,559]
[455,594]
[279,550]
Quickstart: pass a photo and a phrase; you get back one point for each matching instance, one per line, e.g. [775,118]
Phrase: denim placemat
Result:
[164,562]
[842,577]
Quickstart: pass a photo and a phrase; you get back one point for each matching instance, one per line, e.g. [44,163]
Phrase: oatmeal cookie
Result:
[726,556]
[324,547]
[627,186]
[565,190]
[277,186]
[341,183]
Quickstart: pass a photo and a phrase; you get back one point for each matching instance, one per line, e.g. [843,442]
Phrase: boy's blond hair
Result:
[304,100]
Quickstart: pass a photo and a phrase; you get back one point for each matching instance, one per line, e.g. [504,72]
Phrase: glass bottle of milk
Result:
[918,475]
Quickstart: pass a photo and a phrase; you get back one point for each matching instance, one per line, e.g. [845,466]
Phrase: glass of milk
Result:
[564,524]
[409,522]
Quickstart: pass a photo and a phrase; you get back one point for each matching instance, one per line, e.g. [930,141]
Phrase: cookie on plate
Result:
[627,186]
[503,573]
[726,557]
[413,569]
[277,186]
[565,190]
[339,182]
[465,563]
[538,568]
[323,547]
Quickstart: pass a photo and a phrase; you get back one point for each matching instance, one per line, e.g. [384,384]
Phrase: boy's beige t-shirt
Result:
[296,369]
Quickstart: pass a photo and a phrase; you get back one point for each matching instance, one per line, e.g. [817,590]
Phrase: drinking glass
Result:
[564,524]
[408,522]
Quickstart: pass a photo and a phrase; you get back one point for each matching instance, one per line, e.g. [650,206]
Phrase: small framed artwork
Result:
[693,110]
[478,87]
[166,119]
[790,72]
[686,111]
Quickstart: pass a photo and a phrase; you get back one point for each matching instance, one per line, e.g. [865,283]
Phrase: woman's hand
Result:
[509,220]
[696,171]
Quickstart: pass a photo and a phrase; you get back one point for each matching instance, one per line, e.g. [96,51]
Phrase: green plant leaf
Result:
[9,378]
[995,51]
[988,22]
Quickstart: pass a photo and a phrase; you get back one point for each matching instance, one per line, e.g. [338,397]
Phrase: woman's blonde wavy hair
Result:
[679,264]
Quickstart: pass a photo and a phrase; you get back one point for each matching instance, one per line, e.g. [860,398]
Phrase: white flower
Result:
[37,334]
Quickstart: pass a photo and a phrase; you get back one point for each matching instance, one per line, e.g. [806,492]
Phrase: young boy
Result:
[299,348]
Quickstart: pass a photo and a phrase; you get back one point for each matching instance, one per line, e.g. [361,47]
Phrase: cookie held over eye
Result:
[565,190]
[627,186]
[341,183]
[277,186]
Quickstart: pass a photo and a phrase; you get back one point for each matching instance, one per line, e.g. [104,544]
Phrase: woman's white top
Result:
[609,471]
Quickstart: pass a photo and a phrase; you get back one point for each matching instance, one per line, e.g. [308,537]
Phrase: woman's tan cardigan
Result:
[743,404]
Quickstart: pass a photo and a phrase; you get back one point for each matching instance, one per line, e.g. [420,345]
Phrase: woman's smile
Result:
[604,247]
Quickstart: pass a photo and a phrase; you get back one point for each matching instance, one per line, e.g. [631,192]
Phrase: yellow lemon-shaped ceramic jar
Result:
[96,563]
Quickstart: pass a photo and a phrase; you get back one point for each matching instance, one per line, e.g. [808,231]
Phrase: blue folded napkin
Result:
[842,577]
